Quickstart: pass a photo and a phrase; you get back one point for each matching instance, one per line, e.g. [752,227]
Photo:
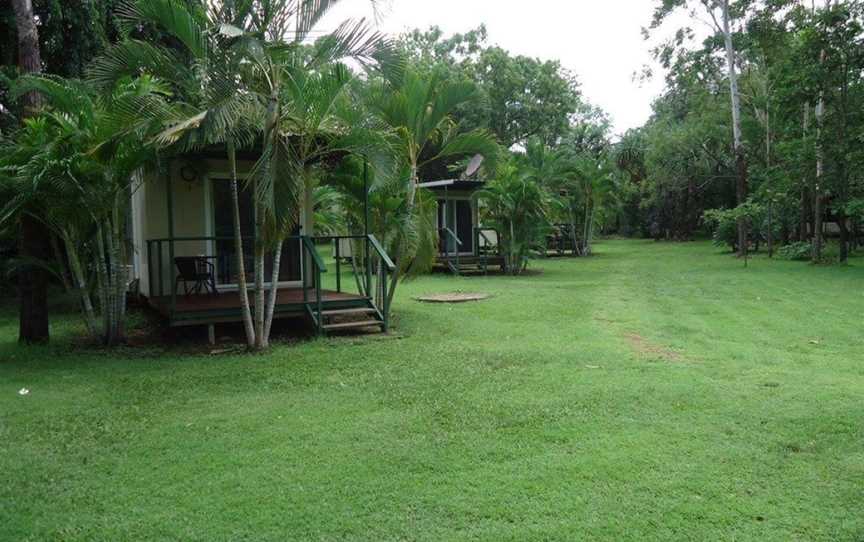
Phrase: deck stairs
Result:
[355,317]
[470,265]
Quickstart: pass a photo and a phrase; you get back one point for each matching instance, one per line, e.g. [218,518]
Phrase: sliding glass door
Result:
[458,216]
[289,268]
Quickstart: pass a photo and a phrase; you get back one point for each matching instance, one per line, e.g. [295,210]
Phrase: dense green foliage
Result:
[521,97]
[227,75]
[801,93]
[654,392]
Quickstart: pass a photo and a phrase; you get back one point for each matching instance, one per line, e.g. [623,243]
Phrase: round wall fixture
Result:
[188,173]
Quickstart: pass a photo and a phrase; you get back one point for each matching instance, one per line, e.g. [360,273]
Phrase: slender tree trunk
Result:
[586,248]
[397,261]
[740,154]
[62,263]
[113,285]
[514,258]
[770,229]
[803,220]
[818,190]
[273,295]
[260,253]
[243,288]
[103,280]
[308,223]
[33,240]
[842,177]
[262,328]
[80,285]
[361,286]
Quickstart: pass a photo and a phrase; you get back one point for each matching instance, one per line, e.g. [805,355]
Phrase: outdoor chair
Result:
[197,272]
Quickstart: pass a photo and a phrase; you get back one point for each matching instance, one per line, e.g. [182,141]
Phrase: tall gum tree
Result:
[721,17]
[32,279]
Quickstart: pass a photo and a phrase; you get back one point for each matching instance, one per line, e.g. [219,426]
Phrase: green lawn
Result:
[653,392]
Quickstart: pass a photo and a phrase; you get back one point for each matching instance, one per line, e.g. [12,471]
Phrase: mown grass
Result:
[653,392]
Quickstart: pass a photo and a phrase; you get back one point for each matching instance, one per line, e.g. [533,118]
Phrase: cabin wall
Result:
[192,216]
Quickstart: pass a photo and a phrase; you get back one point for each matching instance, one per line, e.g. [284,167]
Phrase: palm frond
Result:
[171,16]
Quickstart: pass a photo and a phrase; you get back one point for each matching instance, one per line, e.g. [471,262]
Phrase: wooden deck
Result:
[225,306]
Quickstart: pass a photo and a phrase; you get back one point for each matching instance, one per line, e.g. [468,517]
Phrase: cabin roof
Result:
[453,184]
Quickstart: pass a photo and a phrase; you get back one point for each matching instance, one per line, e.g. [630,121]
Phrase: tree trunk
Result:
[803,219]
[62,266]
[770,230]
[274,294]
[397,261]
[260,252]
[242,286]
[740,155]
[818,193]
[33,240]
[101,266]
[80,285]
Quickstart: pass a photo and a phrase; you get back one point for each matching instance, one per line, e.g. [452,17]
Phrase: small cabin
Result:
[464,245]
[185,258]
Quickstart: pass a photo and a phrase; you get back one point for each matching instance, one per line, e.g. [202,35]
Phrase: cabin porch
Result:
[329,295]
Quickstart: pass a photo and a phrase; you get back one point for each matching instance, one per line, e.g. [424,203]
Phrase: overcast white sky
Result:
[600,40]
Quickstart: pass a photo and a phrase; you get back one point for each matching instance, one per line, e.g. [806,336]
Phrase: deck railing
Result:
[449,238]
[366,254]
[371,267]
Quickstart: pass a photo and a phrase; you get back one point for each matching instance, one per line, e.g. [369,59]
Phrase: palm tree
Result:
[299,91]
[518,207]
[596,188]
[229,63]
[201,65]
[557,171]
[74,168]
[418,112]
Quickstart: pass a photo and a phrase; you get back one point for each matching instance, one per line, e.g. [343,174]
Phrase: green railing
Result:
[368,252]
[162,278]
[318,268]
[447,235]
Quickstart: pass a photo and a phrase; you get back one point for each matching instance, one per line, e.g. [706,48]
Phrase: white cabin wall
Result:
[193,216]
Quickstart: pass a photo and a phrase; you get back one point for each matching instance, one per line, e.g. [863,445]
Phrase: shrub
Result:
[799,251]
[723,224]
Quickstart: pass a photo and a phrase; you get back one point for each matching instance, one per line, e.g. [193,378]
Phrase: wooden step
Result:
[348,312]
[353,325]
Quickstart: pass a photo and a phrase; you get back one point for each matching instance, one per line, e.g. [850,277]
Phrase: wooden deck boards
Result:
[225,306]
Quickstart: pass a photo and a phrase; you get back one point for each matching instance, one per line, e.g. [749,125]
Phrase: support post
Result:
[338,267]
[170,201]
[211,334]
[150,289]
[368,254]
[386,308]
[304,269]
[160,270]
[318,301]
